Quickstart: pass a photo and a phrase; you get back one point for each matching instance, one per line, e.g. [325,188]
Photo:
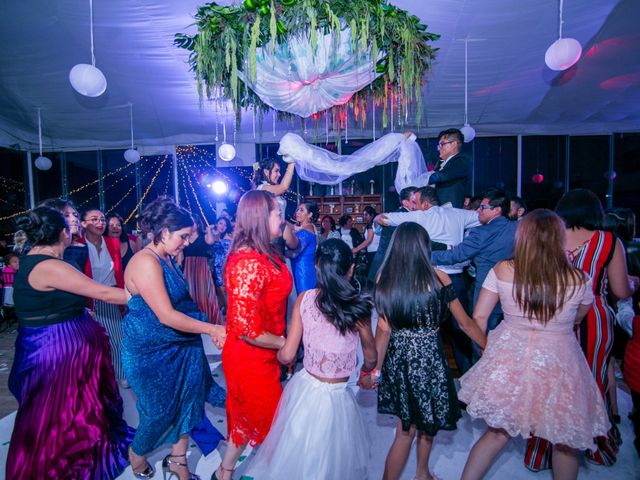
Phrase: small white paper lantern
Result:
[132,156]
[468,132]
[87,80]
[227,152]
[43,163]
[563,53]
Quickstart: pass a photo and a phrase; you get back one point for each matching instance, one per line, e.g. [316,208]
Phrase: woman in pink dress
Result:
[533,376]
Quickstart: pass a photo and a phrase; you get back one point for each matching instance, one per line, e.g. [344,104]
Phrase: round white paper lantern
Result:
[563,53]
[132,156]
[468,132]
[227,152]
[87,80]
[43,163]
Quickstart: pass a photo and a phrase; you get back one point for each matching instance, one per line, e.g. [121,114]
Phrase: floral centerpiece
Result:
[310,55]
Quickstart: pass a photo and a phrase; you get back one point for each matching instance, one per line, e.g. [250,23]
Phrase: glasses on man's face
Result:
[485,207]
[96,220]
[442,144]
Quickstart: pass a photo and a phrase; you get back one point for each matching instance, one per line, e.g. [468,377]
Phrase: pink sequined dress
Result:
[533,378]
[318,431]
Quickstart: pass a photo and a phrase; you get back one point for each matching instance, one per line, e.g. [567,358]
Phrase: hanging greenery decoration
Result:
[228,37]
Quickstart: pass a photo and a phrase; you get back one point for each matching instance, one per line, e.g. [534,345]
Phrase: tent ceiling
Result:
[511,91]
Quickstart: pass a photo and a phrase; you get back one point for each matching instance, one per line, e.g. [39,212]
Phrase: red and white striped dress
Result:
[596,339]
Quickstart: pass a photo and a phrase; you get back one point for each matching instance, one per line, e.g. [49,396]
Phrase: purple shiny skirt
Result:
[69,422]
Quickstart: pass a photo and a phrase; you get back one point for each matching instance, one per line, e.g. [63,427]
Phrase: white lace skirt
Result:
[318,433]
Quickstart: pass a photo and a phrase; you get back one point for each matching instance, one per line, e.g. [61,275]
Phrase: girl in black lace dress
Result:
[412,299]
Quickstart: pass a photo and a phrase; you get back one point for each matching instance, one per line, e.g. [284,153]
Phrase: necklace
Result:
[51,251]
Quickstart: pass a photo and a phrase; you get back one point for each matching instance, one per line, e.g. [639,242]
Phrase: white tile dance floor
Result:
[447,459]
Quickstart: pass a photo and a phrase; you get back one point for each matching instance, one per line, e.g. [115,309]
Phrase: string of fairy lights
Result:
[194,164]
[146,192]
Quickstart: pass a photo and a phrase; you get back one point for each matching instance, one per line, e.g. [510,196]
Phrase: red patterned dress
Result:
[257,291]
[596,339]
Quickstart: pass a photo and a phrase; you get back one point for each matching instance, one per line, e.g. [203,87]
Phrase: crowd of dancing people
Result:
[539,307]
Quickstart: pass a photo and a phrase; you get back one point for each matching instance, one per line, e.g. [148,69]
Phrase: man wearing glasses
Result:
[486,245]
[452,174]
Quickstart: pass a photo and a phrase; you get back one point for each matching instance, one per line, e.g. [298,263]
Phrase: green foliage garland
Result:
[228,36]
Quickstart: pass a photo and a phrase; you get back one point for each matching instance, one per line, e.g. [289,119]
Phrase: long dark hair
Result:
[258,173]
[124,238]
[229,229]
[407,279]
[337,299]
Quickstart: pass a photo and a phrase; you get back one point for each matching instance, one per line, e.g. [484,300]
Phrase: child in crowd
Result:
[318,431]
[412,299]
[11,266]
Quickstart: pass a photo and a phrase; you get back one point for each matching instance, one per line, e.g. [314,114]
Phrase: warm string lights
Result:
[146,192]
[186,193]
[117,204]
[186,173]
[11,184]
[93,182]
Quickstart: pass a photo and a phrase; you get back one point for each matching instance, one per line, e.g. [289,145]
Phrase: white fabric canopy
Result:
[297,80]
[511,91]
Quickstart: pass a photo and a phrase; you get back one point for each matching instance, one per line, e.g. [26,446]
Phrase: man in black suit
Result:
[452,174]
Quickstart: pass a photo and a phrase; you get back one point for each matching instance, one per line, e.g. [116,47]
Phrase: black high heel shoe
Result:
[166,463]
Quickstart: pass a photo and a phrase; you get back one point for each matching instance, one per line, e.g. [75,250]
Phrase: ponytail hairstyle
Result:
[42,226]
[338,299]
[407,280]
[258,171]
[312,208]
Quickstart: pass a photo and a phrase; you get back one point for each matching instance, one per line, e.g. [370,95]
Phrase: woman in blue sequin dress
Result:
[302,257]
[162,351]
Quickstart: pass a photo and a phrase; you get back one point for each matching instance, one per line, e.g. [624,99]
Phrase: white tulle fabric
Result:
[318,165]
[318,432]
[534,378]
[298,80]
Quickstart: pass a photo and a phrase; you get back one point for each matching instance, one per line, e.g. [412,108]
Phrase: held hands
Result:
[218,334]
[369,380]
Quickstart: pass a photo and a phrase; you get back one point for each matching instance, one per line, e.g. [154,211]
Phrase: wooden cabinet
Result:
[353,205]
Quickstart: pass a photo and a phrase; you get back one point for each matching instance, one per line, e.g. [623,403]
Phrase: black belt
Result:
[455,274]
[51,319]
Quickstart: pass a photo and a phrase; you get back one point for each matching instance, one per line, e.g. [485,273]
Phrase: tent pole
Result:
[100,163]
[567,162]
[174,169]
[519,168]
[610,177]
[32,198]
[64,174]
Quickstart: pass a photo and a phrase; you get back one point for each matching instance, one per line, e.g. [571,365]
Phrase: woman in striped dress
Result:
[198,274]
[601,255]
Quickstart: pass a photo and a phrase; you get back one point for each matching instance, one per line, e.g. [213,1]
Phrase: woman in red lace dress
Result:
[258,284]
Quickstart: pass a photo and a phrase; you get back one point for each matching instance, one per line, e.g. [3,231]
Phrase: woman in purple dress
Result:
[69,422]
